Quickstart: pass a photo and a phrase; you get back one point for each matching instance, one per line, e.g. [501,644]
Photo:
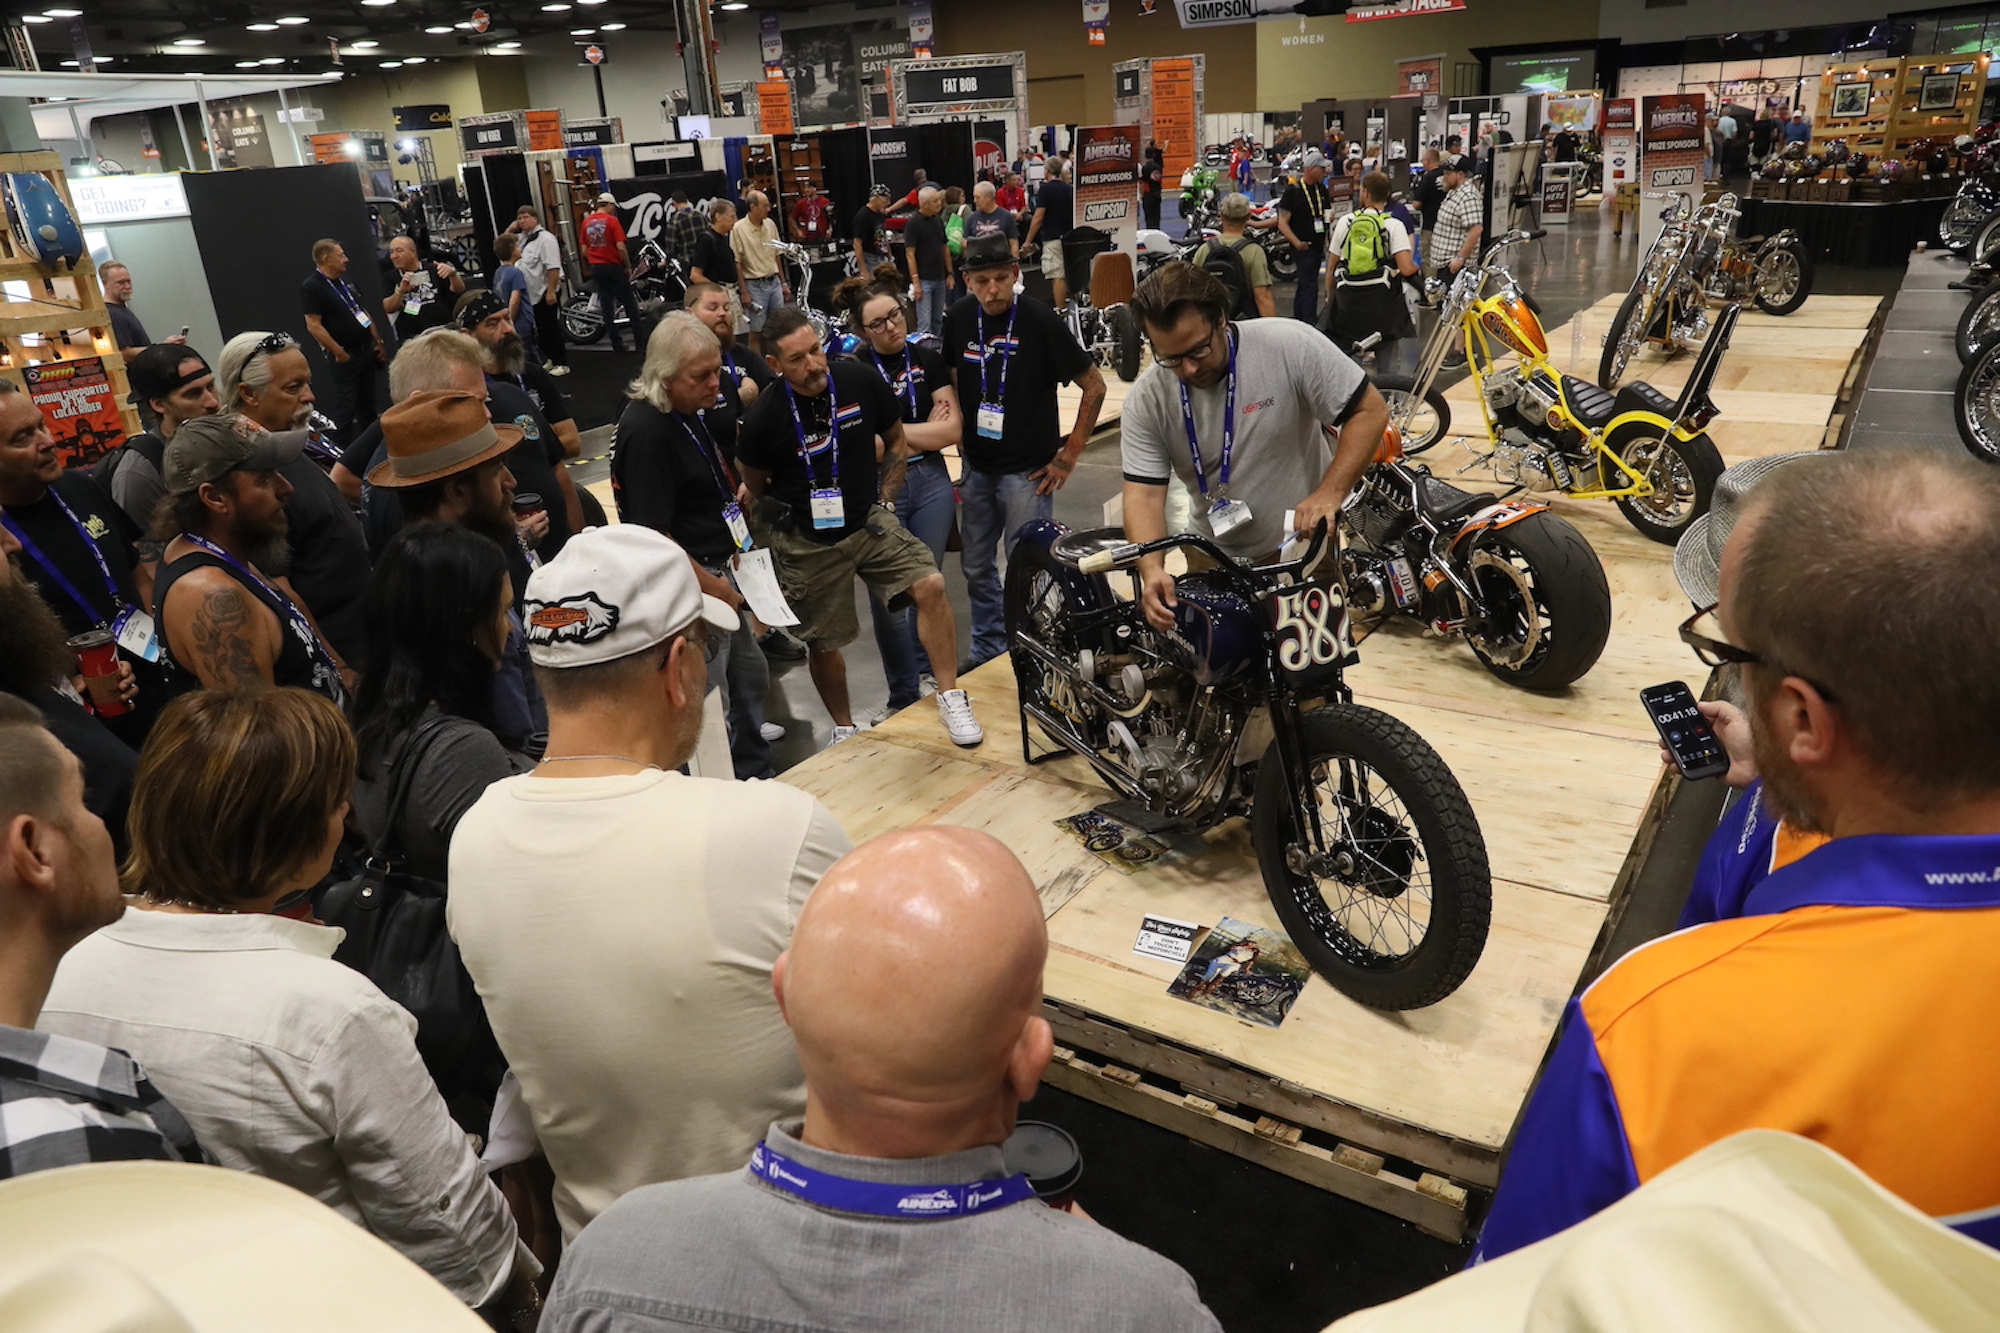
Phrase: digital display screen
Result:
[1560,72]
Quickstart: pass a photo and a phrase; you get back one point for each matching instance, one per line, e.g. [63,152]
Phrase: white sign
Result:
[101,199]
[1164,937]
[1107,210]
[302,115]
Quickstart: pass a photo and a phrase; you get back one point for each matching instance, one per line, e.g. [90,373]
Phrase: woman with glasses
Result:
[926,505]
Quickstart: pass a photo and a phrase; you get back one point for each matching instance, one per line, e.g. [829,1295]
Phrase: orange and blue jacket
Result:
[1749,844]
[1856,1002]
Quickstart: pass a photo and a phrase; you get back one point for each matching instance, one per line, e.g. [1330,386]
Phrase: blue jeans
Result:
[744,677]
[1305,301]
[993,509]
[930,307]
[925,507]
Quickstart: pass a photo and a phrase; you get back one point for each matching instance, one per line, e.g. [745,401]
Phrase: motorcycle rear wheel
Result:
[1430,416]
[1784,280]
[1978,325]
[1124,342]
[1959,223]
[1283,261]
[1400,919]
[1550,603]
[1976,404]
[1683,488]
[582,320]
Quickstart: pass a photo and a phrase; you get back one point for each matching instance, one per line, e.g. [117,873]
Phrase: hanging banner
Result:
[1403,9]
[593,133]
[1176,113]
[1096,18]
[772,42]
[1107,181]
[1621,143]
[1414,78]
[1670,152]
[774,107]
[419,119]
[495,132]
[545,130]
[920,29]
[81,408]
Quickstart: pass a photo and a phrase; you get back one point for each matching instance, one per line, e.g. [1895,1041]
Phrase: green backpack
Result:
[1367,247]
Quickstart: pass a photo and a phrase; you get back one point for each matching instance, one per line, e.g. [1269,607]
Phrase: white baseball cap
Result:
[613,592]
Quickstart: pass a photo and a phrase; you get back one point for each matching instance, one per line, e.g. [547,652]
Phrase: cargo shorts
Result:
[818,577]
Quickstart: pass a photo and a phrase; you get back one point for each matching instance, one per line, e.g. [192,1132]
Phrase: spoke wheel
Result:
[1423,421]
[1978,405]
[1683,474]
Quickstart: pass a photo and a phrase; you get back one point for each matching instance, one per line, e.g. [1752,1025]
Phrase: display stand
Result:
[1896,115]
[49,316]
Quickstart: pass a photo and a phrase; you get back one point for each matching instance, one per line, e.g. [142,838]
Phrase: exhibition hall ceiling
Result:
[301,36]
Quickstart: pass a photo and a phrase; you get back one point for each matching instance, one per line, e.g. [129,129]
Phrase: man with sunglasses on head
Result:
[1854,999]
[1242,414]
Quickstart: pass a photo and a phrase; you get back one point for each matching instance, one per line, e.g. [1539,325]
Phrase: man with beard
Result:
[222,615]
[265,376]
[1855,1001]
[508,397]
[37,666]
[78,549]
[175,384]
[507,350]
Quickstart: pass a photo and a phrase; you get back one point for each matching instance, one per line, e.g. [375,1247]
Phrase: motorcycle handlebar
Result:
[1118,557]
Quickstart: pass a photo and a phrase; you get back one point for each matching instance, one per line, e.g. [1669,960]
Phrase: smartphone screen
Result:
[1692,742]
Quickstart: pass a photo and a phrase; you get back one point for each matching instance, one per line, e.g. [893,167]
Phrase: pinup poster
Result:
[81,406]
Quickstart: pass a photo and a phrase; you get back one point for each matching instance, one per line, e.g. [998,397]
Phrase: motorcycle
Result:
[1978,325]
[1976,403]
[1694,263]
[1549,431]
[1520,584]
[1368,849]
[1110,333]
[659,284]
[1975,201]
[797,264]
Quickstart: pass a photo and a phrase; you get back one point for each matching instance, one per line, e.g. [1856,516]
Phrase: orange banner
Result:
[774,107]
[332,148]
[80,405]
[544,131]
[1174,128]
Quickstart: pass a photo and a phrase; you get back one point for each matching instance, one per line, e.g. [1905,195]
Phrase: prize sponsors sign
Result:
[1108,213]
[1673,123]
[1108,156]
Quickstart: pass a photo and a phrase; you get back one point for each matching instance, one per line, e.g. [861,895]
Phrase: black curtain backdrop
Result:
[255,231]
[495,186]
[893,158]
[642,199]
[843,160]
[945,151]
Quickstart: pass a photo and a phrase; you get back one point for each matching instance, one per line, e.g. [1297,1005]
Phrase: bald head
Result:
[913,988]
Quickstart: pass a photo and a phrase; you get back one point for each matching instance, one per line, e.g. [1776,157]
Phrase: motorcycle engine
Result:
[1170,734]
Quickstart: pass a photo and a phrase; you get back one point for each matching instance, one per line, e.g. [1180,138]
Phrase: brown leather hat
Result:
[435,433]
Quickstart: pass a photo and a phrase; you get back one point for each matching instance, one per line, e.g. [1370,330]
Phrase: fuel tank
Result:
[1217,632]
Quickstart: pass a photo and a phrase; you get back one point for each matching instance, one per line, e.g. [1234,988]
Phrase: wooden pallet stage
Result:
[1407,1112]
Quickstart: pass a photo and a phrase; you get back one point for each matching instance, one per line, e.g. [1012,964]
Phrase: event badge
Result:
[739,531]
[828,510]
[1227,515]
[991,418]
[137,634]
[412,304]
[1319,226]
[361,318]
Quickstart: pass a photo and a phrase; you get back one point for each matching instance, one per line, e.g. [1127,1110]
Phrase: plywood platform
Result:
[1566,788]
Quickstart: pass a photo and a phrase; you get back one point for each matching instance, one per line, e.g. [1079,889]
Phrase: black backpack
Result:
[1224,263]
[147,445]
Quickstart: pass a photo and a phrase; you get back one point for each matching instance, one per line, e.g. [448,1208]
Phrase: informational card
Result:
[1248,971]
[1165,937]
[80,404]
[757,580]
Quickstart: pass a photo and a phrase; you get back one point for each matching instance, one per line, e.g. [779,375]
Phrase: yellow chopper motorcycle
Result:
[1547,431]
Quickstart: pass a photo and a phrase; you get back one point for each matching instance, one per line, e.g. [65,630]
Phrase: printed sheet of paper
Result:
[1115,843]
[1165,937]
[757,580]
[1249,972]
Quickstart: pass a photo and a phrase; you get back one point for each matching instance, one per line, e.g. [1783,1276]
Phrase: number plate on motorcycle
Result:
[1310,624]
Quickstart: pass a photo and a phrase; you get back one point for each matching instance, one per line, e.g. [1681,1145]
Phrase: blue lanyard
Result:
[344,292]
[909,378]
[704,444]
[34,553]
[832,432]
[1228,427]
[276,600]
[877,1199]
[1006,353]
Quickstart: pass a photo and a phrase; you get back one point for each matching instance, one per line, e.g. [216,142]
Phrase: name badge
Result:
[828,510]
[1226,515]
[992,419]
[361,318]
[412,304]
[1319,225]
[739,531]
[137,634]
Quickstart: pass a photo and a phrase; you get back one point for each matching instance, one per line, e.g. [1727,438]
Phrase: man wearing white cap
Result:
[620,918]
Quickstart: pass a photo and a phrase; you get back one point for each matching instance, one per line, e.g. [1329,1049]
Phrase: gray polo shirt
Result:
[1289,382]
[732,1252]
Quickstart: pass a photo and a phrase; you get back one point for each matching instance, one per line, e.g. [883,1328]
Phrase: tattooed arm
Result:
[220,632]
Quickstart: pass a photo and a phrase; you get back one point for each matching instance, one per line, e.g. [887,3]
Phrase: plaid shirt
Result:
[683,228]
[1456,217]
[64,1102]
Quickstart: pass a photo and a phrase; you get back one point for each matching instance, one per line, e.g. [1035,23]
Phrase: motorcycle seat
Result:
[1592,405]
[1639,396]
[1446,503]
[1748,241]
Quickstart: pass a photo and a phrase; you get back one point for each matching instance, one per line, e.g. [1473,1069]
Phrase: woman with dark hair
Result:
[437,625]
[286,1063]
[926,503]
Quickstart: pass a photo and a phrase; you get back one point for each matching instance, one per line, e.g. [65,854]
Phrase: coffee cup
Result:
[527,504]
[1048,1157]
[97,662]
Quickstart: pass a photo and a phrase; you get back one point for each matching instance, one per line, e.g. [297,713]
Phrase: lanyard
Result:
[1228,427]
[34,553]
[729,359]
[877,1199]
[345,293]
[1316,199]
[1006,354]
[277,601]
[909,378]
[832,433]
[704,444]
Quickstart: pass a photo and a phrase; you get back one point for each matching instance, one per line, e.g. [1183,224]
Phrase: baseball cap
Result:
[1460,163]
[156,371]
[437,433]
[1698,554]
[612,592]
[1314,159]
[1235,207]
[209,448]
[606,197]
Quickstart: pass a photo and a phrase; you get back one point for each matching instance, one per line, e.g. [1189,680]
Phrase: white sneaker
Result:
[841,733]
[772,731]
[955,707]
[557,370]
[926,685]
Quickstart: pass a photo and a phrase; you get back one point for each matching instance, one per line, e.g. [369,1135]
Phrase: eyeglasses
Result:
[1194,354]
[1712,649]
[884,324]
[276,342]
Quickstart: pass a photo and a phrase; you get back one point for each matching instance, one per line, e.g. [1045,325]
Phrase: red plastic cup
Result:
[97,661]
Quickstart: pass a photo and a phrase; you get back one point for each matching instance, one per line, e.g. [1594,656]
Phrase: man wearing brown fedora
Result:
[446,463]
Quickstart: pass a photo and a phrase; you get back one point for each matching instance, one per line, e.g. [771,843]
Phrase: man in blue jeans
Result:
[1007,355]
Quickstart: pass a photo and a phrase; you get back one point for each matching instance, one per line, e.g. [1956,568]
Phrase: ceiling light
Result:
[378,3]
[246,64]
[611,27]
[557,8]
[735,4]
[63,13]
[414,60]
[590,2]
[262,27]
[272,60]
[439,30]
[392,64]
[189,41]
[294,20]
[366,44]
[71,64]
[506,46]
[36,18]
[583,32]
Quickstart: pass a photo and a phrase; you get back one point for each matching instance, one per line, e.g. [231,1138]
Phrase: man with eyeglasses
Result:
[1854,1000]
[1241,413]
[605,900]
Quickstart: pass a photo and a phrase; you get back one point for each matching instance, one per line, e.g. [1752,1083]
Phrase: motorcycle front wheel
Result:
[582,320]
[1430,416]
[1547,601]
[1977,405]
[1683,473]
[1393,906]
[1037,605]
[1978,325]
[1784,280]
[1124,342]
[1960,223]
[1283,261]
[1622,340]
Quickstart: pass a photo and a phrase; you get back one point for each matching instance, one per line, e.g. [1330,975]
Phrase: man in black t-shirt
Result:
[1302,222]
[420,291]
[929,258]
[871,231]
[672,471]
[340,323]
[1055,216]
[1007,356]
[483,315]
[1152,179]
[116,280]
[714,260]
[826,511]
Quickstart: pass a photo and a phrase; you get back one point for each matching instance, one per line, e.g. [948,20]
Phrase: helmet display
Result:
[1812,166]
[1857,166]
[1795,150]
[1837,152]
[1984,134]
[1889,171]
[1963,144]
[1773,168]
[1924,150]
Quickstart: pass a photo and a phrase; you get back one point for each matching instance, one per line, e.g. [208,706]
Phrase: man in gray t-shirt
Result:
[1290,387]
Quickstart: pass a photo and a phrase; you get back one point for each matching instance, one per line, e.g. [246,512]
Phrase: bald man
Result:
[754,240]
[913,988]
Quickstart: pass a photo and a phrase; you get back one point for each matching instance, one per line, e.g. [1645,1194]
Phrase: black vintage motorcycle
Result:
[658,283]
[1369,850]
